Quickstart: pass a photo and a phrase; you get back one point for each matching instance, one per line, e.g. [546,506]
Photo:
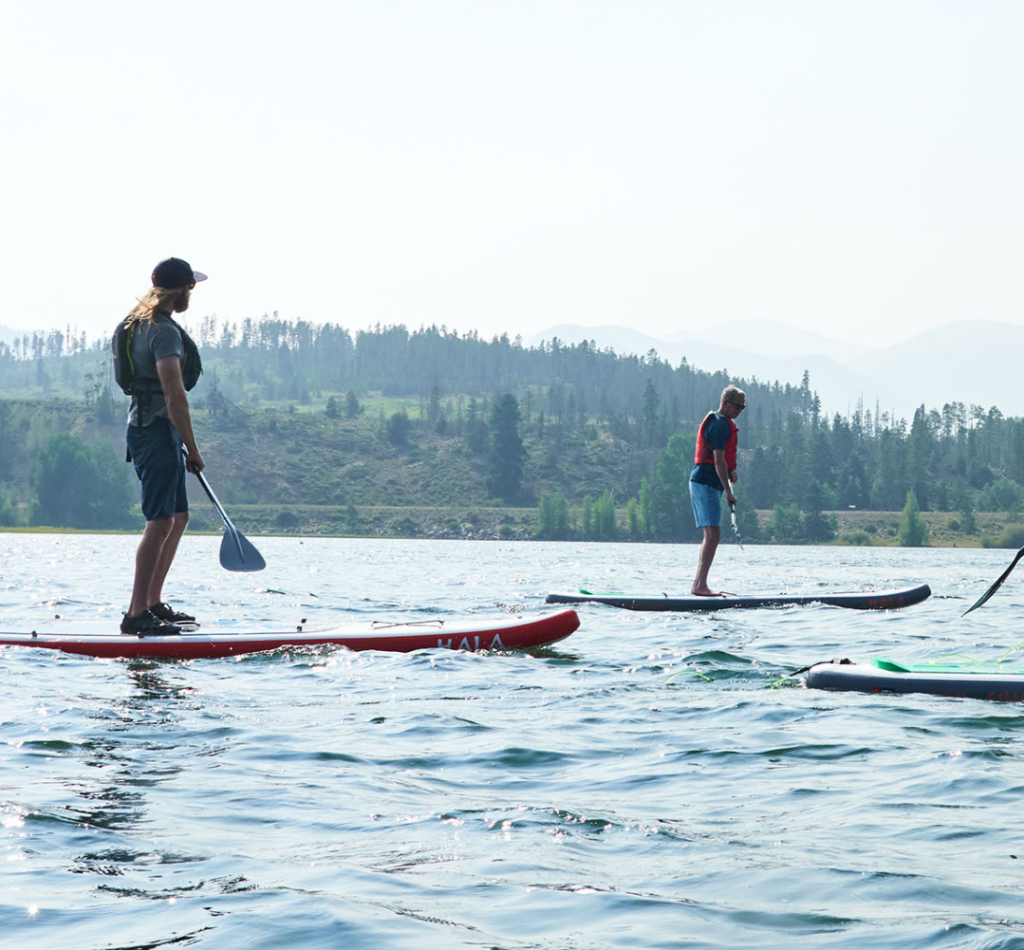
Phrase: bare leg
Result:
[166,558]
[147,558]
[708,547]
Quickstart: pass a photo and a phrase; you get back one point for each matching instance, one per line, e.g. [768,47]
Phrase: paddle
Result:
[998,583]
[236,552]
[735,529]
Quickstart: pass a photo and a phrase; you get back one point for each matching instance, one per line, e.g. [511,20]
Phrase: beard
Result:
[181,303]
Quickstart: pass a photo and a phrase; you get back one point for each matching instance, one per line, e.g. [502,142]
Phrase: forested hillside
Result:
[297,414]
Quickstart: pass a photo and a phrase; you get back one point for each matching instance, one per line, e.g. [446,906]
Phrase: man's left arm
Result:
[169,371]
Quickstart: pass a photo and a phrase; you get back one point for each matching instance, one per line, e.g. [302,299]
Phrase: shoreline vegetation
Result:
[308,430]
[455,523]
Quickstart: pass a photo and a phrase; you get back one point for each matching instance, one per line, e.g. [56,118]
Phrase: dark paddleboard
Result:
[857,600]
[969,681]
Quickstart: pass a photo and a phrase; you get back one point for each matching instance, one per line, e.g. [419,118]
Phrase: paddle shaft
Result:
[996,585]
[244,556]
[209,492]
[735,529]
[216,504]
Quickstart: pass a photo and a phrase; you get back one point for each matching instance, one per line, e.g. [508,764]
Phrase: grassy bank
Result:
[871,528]
[993,529]
[862,528]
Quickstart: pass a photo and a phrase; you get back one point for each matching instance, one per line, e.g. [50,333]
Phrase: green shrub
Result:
[81,486]
[786,523]
[552,518]
[286,521]
[405,526]
[1003,495]
[8,513]
[1010,537]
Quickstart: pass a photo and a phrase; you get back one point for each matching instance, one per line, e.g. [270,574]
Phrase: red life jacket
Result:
[705,456]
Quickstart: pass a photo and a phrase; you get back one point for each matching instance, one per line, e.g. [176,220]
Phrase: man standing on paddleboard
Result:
[158,362]
[714,471]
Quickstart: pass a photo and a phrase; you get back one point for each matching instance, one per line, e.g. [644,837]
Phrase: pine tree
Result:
[552,518]
[913,532]
[633,519]
[673,513]
[352,408]
[817,526]
[649,415]
[507,454]
[604,517]
[646,502]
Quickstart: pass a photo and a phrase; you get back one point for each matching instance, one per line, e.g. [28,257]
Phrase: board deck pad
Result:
[102,638]
[970,681]
[957,669]
[856,600]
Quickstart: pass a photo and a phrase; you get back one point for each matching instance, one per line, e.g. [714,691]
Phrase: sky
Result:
[849,168]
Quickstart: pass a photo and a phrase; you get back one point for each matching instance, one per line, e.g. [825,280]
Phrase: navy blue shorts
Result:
[160,465]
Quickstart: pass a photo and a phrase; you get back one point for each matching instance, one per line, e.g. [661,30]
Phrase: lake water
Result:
[583,797]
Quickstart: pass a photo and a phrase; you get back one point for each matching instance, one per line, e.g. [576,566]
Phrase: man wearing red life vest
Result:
[714,471]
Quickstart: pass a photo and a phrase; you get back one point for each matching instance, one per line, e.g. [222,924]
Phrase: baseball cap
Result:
[174,272]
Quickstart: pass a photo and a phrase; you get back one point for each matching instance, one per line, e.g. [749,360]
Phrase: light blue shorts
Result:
[707,505]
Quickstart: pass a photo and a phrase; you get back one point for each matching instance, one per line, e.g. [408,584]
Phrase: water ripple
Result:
[638,786]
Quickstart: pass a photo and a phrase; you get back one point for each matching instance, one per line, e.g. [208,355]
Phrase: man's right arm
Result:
[722,471]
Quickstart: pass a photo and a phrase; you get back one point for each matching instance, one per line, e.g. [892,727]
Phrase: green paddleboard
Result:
[959,669]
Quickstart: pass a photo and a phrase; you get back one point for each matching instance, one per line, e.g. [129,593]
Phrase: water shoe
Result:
[166,613]
[147,624]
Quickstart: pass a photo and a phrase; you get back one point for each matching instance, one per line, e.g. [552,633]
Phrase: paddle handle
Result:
[209,491]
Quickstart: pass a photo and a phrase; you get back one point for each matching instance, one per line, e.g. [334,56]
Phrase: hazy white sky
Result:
[852,167]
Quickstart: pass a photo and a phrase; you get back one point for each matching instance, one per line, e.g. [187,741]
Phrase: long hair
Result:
[159,298]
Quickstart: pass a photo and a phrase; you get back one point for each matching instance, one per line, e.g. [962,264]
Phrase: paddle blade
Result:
[238,554]
[996,584]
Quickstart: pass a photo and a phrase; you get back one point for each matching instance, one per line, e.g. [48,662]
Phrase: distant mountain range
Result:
[970,361]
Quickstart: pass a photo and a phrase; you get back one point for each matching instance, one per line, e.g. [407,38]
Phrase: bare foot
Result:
[705,592]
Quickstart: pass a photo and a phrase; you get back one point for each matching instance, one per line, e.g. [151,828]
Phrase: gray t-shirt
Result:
[152,342]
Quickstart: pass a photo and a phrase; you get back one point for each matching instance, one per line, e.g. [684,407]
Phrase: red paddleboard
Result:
[101,638]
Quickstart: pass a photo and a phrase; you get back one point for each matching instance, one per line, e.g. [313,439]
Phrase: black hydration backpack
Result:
[124,368]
